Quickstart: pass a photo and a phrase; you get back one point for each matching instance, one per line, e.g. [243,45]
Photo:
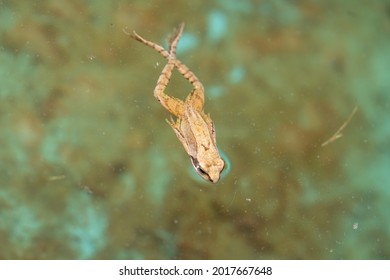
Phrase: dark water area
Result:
[89,168]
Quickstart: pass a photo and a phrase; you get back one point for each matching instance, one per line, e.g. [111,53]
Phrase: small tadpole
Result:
[338,133]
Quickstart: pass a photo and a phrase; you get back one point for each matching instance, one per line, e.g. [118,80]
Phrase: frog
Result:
[192,126]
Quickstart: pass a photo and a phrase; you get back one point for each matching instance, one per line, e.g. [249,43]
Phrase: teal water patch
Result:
[8,18]
[14,149]
[18,222]
[187,42]
[237,74]
[370,213]
[242,6]
[15,73]
[85,226]
[215,91]
[282,12]
[158,181]
[128,183]
[217,26]
[50,147]
[130,254]
[168,247]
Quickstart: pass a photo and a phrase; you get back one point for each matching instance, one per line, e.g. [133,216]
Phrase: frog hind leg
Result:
[196,97]
[174,105]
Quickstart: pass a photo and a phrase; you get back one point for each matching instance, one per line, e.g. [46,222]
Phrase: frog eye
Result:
[196,165]
[199,169]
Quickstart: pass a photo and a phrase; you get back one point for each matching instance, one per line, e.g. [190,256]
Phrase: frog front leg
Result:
[176,126]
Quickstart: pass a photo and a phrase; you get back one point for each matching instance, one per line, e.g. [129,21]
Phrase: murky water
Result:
[89,169]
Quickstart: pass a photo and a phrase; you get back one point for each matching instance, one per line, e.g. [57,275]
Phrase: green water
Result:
[89,169]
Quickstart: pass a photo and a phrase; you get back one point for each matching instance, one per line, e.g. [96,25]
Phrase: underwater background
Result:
[89,169]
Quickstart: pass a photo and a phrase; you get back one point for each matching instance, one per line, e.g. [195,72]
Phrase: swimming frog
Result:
[194,129]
